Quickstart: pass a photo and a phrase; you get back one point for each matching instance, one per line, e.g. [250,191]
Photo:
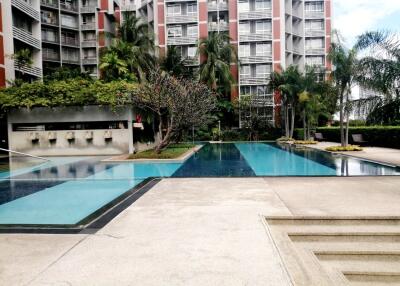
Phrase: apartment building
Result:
[57,33]
[268,34]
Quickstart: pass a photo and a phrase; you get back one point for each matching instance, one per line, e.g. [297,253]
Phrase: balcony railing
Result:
[89,44]
[48,21]
[68,7]
[35,71]
[88,26]
[70,59]
[129,7]
[26,37]
[255,37]
[255,59]
[70,42]
[250,15]
[314,15]
[50,56]
[53,40]
[213,6]
[49,4]
[315,33]
[26,8]
[88,9]
[186,40]
[192,61]
[260,100]
[89,61]
[315,51]
[222,26]
[255,80]
[175,19]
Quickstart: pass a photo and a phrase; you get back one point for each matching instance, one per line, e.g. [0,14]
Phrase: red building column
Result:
[233,34]
[2,68]
[328,30]
[276,55]
[161,27]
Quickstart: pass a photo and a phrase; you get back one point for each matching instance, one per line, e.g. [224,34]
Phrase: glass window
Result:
[245,71]
[314,6]
[192,8]
[175,31]
[244,6]
[263,27]
[71,21]
[192,30]
[315,43]
[244,50]
[314,25]
[263,70]
[49,17]
[174,10]
[192,51]
[263,4]
[244,28]
[263,49]
[315,61]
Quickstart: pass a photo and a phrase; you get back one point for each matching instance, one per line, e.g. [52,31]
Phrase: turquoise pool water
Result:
[68,189]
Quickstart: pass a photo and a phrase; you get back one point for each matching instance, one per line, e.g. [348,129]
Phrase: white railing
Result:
[68,7]
[314,15]
[89,44]
[315,33]
[89,61]
[212,6]
[48,4]
[255,80]
[255,59]
[260,100]
[50,56]
[26,8]
[70,59]
[26,37]
[129,7]
[213,26]
[181,19]
[35,71]
[70,42]
[88,9]
[255,37]
[182,40]
[315,51]
[88,26]
[250,15]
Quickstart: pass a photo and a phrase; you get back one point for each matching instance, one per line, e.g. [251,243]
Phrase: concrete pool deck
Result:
[211,232]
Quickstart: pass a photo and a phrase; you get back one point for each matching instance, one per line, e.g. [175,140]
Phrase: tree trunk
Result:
[346,140]
[160,127]
[166,139]
[293,115]
[304,126]
[286,121]
[342,141]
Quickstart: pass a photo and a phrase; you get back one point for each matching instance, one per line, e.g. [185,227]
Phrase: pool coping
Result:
[94,221]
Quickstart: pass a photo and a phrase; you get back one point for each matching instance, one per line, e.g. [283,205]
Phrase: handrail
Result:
[29,155]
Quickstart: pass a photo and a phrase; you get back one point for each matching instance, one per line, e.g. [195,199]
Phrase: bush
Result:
[380,136]
[243,134]
[307,142]
[344,149]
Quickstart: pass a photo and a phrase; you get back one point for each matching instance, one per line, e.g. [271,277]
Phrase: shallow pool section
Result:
[68,190]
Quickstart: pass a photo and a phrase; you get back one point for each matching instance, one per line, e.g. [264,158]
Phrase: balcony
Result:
[70,59]
[255,80]
[176,19]
[129,7]
[222,26]
[260,100]
[89,44]
[186,40]
[72,42]
[31,70]
[315,33]
[51,40]
[192,61]
[49,4]
[213,6]
[88,26]
[315,51]
[50,56]
[89,9]
[255,59]
[255,37]
[26,8]
[253,15]
[68,7]
[89,61]
[26,37]
[314,15]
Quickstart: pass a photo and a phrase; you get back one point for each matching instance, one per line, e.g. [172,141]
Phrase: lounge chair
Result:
[319,137]
[359,139]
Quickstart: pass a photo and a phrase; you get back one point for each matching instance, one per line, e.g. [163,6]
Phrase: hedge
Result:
[380,136]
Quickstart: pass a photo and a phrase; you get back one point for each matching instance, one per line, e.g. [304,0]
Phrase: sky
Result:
[353,17]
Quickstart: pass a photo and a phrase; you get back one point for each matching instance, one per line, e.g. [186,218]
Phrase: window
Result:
[175,31]
[245,71]
[192,9]
[192,52]
[263,71]
[263,49]
[244,6]
[263,4]
[69,21]
[314,25]
[69,38]
[70,55]
[88,19]
[49,35]
[192,30]
[315,61]
[244,50]
[174,10]
[89,36]
[49,17]
[314,7]
[244,28]
[262,90]
[263,27]
[315,43]
[89,53]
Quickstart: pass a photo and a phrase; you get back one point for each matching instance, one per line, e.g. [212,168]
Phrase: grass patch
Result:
[307,142]
[173,151]
[344,149]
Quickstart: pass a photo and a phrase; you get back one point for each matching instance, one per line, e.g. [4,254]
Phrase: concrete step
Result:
[371,279]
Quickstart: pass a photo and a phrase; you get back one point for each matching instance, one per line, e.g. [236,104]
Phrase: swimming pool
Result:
[68,190]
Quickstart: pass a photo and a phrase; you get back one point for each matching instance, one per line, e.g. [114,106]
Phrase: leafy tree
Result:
[174,64]
[113,67]
[219,54]
[65,73]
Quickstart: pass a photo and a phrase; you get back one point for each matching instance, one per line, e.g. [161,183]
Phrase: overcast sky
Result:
[353,17]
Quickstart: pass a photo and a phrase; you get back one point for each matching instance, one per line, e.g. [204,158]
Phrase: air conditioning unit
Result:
[107,134]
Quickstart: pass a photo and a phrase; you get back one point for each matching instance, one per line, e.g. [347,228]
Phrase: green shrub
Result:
[307,142]
[344,149]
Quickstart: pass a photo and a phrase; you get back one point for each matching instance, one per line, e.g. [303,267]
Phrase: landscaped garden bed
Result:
[173,151]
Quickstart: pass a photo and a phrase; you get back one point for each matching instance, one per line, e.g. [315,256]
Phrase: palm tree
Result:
[113,67]
[174,64]
[219,54]
[22,58]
